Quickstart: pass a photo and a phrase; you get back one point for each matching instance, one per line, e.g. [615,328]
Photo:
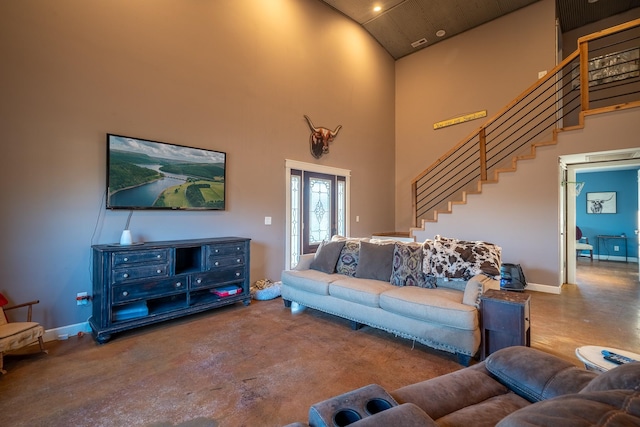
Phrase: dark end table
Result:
[505,320]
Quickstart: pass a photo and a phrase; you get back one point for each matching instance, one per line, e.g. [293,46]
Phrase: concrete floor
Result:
[264,366]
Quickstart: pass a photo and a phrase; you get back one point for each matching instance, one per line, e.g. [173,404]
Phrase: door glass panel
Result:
[296,220]
[319,210]
[341,203]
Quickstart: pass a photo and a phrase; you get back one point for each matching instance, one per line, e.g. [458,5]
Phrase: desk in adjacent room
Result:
[607,238]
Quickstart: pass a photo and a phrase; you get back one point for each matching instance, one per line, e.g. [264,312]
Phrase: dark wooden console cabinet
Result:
[138,285]
[505,320]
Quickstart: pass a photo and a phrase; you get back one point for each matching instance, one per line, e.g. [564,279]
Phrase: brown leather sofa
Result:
[515,386]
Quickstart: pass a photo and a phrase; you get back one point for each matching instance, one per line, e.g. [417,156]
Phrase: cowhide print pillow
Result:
[464,259]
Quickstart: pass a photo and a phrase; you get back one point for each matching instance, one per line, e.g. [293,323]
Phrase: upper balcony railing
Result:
[603,74]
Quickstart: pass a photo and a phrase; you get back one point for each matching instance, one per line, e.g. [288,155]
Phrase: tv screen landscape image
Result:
[144,174]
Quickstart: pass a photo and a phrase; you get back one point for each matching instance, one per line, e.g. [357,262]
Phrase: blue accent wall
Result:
[625,184]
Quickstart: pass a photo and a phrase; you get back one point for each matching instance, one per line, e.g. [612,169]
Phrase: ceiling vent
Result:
[418,42]
[612,156]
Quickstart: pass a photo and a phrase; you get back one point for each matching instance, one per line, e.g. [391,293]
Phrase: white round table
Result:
[591,356]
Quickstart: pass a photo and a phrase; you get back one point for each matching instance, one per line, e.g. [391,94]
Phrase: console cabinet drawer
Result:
[217,263]
[125,258]
[217,277]
[133,273]
[215,251]
[147,289]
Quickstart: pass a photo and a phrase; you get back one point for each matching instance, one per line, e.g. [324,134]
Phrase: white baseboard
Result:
[543,288]
[615,258]
[64,332]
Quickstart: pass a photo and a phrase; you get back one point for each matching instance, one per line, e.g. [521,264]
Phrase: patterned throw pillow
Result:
[407,265]
[348,259]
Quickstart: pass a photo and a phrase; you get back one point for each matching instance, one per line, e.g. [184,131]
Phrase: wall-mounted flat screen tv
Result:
[144,174]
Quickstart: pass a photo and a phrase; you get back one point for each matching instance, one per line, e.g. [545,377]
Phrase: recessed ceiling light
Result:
[592,1]
[440,33]
[377,8]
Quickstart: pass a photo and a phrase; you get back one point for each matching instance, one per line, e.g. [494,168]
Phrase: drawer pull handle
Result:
[237,274]
[199,281]
[125,275]
[159,256]
[126,259]
[237,249]
[125,293]
[217,250]
[158,271]
[238,260]
[178,284]
[217,263]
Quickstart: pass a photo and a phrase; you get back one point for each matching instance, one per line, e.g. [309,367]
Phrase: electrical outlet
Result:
[616,248]
[82,298]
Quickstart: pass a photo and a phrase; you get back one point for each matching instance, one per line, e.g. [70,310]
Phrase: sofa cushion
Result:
[375,261]
[486,413]
[466,388]
[536,375]
[406,415]
[614,408]
[327,257]
[407,265]
[442,306]
[312,281]
[624,377]
[348,259]
[361,291]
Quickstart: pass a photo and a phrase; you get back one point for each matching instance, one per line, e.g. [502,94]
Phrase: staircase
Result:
[601,76]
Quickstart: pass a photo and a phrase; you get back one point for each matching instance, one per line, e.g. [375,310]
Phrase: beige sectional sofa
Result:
[428,292]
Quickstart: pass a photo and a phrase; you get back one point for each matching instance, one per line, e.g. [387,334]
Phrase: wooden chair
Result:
[15,335]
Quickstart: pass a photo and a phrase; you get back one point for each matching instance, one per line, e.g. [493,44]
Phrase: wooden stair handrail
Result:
[582,48]
[608,31]
[480,133]
[499,114]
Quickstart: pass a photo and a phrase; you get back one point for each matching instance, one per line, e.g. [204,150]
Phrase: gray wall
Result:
[521,213]
[230,75]
[482,69]
[473,73]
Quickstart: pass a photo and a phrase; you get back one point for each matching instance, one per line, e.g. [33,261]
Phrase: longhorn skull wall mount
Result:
[320,138]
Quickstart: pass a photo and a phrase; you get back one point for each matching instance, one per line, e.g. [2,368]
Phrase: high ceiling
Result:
[402,22]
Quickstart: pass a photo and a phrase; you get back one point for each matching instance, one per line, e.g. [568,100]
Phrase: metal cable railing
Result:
[602,74]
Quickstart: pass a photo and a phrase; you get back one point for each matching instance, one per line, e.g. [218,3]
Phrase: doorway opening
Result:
[597,169]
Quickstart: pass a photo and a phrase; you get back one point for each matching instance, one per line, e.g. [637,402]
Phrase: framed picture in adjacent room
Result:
[601,203]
